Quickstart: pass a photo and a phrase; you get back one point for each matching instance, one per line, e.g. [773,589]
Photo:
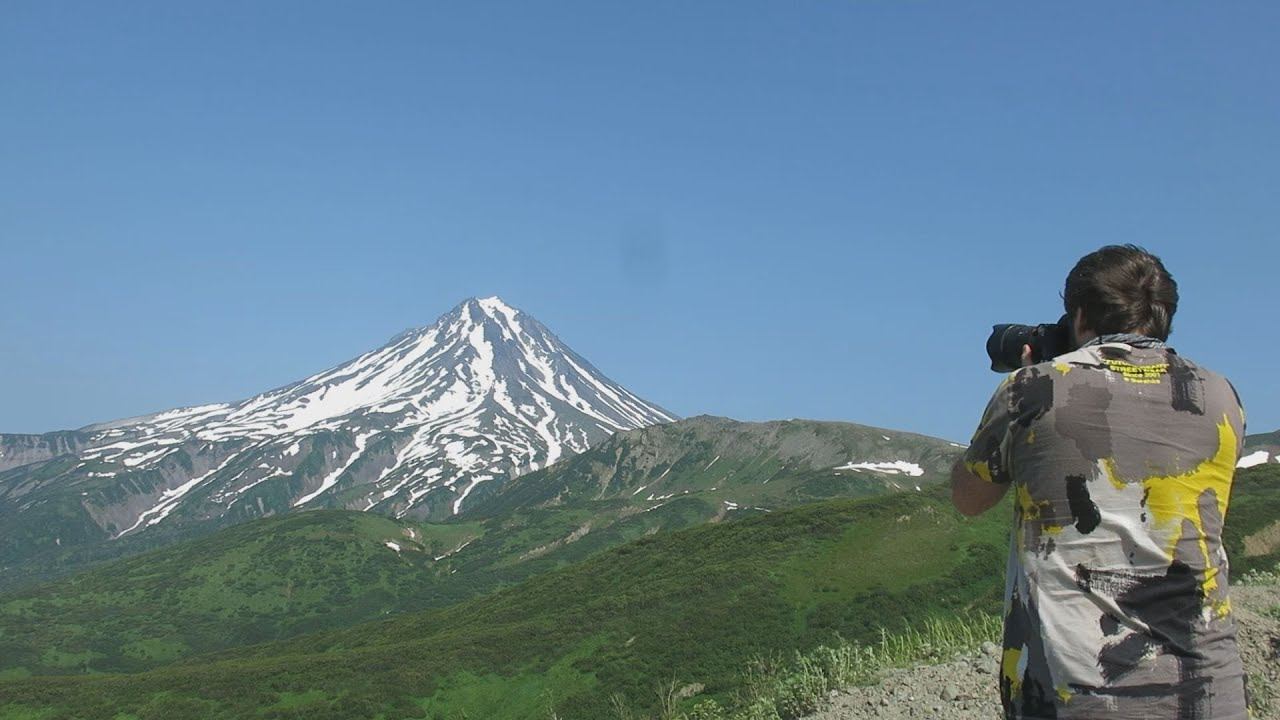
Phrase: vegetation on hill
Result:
[730,466]
[742,464]
[279,577]
[684,610]
[1252,536]
[252,583]
[691,605]
[246,584]
[1261,439]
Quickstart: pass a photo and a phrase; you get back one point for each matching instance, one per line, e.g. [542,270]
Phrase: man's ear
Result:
[1080,329]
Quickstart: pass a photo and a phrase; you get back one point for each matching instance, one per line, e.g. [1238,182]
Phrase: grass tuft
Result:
[784,689]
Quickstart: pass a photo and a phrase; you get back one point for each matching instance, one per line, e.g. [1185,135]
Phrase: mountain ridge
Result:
[106,615]
[817,459]
[409,429]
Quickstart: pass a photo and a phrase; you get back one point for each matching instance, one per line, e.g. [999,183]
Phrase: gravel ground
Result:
[966,688]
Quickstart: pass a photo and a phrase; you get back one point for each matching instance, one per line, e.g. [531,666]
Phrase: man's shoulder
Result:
[1086,357]
[1109,355]
[1209,377]
[1131,363]
[1201,370]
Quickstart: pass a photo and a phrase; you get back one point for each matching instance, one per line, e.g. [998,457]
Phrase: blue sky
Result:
[759,210]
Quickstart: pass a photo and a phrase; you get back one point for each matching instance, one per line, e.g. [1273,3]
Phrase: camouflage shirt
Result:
[1121,457]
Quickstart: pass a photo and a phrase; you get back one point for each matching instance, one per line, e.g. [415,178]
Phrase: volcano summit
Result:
[484,394]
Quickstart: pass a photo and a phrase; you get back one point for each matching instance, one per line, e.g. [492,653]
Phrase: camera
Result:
[1047,341]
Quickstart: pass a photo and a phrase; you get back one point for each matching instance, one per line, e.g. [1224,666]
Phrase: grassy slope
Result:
[279,577]
[259,581]
[1271,438]
[47,531]
[1252,535]
[1263,441]
[143,612]
[50,535]
[693,604]
[771,464]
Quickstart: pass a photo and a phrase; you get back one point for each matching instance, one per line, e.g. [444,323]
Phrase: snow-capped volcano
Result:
[482,395]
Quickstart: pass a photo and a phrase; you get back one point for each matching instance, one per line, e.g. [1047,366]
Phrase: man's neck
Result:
[1134,339]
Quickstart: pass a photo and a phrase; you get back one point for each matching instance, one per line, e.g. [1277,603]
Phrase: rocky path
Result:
[966,688]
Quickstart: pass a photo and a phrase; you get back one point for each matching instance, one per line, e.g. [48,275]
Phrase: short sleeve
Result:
[1238,419]
[988,452]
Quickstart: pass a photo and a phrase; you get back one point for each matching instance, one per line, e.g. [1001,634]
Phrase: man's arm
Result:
[981,477]
[971,494]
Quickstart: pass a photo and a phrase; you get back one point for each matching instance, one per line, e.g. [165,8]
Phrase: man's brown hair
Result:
[1123,289]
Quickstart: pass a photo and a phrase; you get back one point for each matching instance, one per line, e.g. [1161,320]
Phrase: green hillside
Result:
[279,577]
[256,582]
[1252,534]
[733,464]
[1271,438]
[1264,441]
[276,578]
[730,466]
[695,605]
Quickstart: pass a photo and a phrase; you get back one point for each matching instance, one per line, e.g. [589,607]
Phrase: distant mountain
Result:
[274,578]
[1260,449]
[738,466]
[411,430]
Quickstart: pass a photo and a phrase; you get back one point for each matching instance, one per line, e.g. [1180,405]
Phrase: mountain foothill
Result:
[474,521]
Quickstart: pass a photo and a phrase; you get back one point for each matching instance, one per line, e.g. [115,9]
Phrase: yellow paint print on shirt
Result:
[1031,510]
[1175,499]
[1109,468]
[1009,668]
[1141,374]
[981,469]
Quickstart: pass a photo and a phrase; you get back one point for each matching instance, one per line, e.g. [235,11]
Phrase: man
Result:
[1121,455]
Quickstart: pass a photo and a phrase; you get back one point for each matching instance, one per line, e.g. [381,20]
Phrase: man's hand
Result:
[971,494]
[1026,356]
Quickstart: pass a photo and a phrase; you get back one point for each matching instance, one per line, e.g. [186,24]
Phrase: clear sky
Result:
[759,210]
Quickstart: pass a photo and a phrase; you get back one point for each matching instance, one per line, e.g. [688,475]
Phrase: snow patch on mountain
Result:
[1257,457]
[413,428]
[895,467]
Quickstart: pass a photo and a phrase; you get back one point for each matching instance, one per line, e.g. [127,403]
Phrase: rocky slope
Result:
[966,687]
